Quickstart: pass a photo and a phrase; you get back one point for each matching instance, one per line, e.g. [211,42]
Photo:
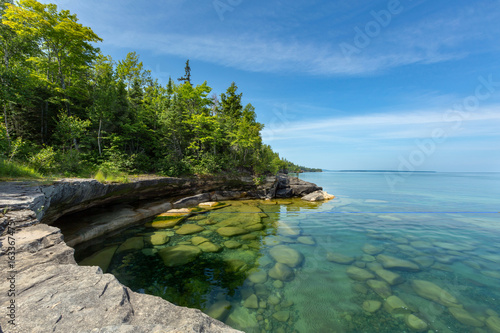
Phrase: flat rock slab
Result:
[72,298]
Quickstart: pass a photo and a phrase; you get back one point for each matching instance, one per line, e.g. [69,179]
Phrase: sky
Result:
[407,85]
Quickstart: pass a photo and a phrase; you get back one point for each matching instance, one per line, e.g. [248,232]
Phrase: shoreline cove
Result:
[77,298]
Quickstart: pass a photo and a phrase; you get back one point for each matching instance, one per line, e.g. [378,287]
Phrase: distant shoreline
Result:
[382,171]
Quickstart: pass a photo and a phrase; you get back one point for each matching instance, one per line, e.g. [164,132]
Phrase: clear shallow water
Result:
[443,226]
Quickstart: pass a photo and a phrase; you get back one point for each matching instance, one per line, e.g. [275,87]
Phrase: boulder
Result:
[431,291]
[396,263]
[286,255]
[179,255]
[318,196]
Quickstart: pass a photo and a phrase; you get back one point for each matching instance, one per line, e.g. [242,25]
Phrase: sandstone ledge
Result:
[54,294]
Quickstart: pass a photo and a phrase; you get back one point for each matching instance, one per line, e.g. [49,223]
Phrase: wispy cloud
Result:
[389,126]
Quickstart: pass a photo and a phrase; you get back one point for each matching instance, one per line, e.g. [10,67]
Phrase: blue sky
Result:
[359,84]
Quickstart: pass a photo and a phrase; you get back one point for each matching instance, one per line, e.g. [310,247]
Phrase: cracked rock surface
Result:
[53,294]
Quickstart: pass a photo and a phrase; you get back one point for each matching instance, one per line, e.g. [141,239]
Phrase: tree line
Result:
[69,109]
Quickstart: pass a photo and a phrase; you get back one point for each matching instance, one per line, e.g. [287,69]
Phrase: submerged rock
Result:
[339,258]
[288,230]
[198,240]
[381,288]
[465,317]
[371,306]
[157,238]
[308,240]
[396,263]
[131,244]
[359,274]
[431,291]
[493,324]
[101,258]
[163,224]
[372,249]
[454,246]
[230,244]
[395,305]
[189,229]
[179,255]
[415,323]
[281,272]
[281,315]
[388,276]
[241,318]
[209,247]
[231,231]
[219,310]
[252,302]
[424,261]
[286,255]
[258,277]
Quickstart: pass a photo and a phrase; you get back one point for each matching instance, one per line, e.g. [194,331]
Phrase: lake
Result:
[419,254]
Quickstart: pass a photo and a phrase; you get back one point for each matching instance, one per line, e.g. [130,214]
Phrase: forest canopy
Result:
[69,109]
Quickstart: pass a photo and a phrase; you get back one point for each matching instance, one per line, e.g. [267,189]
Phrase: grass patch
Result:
[16,171]
[111,177]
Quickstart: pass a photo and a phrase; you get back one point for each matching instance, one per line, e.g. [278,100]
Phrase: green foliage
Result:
[69,110]
[10,170]
[44,160]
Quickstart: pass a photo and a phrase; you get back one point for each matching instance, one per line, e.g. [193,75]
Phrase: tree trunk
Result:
[99,137]
[6,123]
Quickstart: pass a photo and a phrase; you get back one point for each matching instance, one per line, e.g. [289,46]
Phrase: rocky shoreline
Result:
[43,274]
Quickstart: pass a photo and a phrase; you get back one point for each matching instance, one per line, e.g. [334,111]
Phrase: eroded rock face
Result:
[72,298]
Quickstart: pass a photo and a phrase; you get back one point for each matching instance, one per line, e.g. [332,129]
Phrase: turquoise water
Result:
[423,255]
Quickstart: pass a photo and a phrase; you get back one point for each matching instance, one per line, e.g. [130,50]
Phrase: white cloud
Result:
[388,126]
